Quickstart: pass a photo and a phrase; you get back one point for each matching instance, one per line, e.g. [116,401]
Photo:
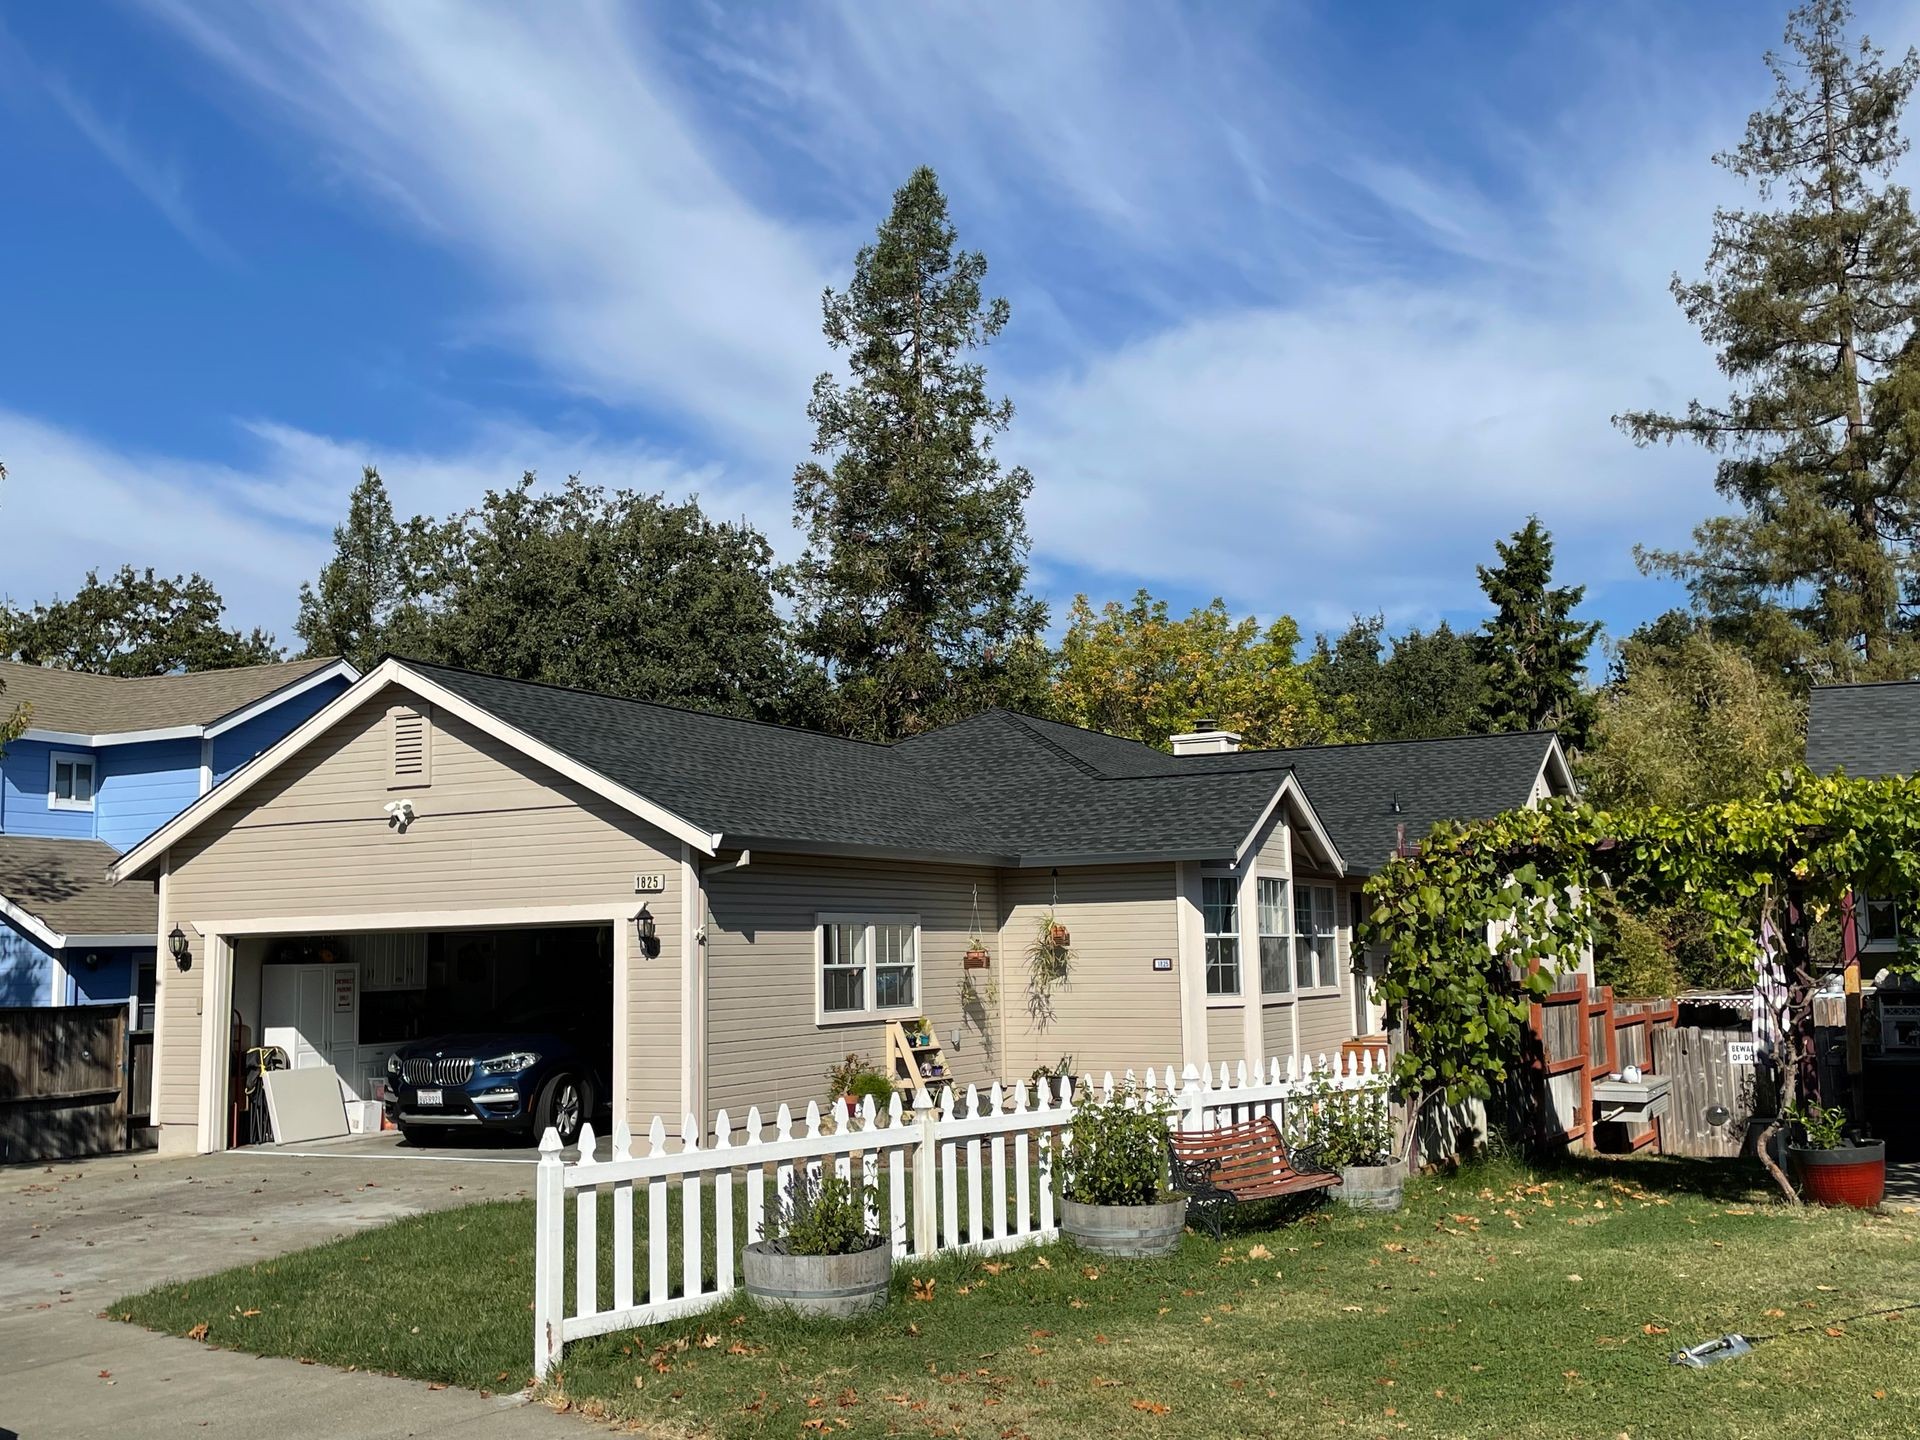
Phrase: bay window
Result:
[1220,907]
[1276,969]
[1316,945]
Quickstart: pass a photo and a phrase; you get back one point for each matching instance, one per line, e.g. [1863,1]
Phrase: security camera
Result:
[399,814]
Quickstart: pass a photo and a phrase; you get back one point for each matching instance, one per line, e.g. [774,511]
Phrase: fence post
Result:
[925,1235]
[1192,1102]
[549,1255]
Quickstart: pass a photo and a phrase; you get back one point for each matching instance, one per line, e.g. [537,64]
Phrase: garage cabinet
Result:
[391,969]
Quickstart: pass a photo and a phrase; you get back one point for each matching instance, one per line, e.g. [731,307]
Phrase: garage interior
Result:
[347,1000]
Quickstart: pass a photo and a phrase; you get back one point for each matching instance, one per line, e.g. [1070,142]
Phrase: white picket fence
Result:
[929,1159]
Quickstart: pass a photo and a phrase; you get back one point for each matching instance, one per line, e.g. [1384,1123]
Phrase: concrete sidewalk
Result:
[78,1236]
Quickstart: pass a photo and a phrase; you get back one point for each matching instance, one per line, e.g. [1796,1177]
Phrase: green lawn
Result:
[1499,1303]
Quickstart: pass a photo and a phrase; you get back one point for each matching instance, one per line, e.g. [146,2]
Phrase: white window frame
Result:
[1881,946]
[1237,995]
[869,992]
[57,758]
[1304,891]
[1284,934]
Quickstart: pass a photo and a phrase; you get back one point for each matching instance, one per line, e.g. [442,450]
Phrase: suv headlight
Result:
[511,1064]
[393,1064]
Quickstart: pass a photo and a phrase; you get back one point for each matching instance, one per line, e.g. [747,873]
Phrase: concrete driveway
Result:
[75,1237]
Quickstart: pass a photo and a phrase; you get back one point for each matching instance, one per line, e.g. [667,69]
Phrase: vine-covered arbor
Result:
[1463,918]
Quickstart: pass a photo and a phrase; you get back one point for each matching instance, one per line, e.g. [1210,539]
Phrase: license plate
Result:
[427,1097]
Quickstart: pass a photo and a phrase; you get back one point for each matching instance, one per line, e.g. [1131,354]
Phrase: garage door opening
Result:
[474,1035]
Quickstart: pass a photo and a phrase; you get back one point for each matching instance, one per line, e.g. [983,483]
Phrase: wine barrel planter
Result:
[1372,1187]
[1853,1175]
[1134,1232]
[841,1286]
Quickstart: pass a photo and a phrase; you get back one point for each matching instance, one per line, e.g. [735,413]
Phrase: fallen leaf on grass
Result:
[1152,1407]
[199,1332]
[921,1289]
[1092,1272]
[639,1382]
[1259,1252]
[1835,1331]
[248,1314]
[994,1267]
[1100,1383]
[1041,1262]
[1879,1394]
[1775,1314]
[1651,1329]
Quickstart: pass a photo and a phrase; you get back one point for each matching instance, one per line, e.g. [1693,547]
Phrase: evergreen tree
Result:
[1532,650]
[911,592]
[135,622]
[1426,684]
[370,596]
[1811,307]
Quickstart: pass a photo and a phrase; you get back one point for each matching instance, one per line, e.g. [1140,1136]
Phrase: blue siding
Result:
[26,970]
[243,742]
[111,981]
[144,786]
[23,795]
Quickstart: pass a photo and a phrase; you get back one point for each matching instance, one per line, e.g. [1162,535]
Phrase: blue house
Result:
[103,762]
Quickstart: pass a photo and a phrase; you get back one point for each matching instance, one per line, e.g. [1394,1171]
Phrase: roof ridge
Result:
[650,704]
[1406,740]
[1021,723]
[173,675]
[1863,684]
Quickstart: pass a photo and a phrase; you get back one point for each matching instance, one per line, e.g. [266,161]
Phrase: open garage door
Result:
[442,1033]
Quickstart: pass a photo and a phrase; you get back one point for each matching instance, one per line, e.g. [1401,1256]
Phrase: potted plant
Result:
[820,1256]
[1351,1131]
[1117,1200]
[1832,1169]
[854,1078]
[977,956]
[1049,960]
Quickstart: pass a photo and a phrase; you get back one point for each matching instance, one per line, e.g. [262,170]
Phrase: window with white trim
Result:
[1878,922]
[70,780]
[1276,937]
[869,966]
[1220,907]
[1316,941]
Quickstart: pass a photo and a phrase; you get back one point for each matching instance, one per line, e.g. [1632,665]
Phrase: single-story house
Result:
[104,759]
[767,900]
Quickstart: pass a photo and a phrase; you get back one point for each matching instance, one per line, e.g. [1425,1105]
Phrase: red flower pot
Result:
[1853,1175]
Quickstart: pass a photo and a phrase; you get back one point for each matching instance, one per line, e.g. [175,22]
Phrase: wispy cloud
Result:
[160,181]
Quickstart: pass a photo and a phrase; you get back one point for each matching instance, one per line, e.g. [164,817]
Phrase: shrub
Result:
[841,1078]
[822,1215]
[872,1083]
[1346,1127]
[1822,1127]
[1118,1154]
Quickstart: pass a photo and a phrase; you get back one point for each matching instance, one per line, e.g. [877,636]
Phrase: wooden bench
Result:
[1238,1164]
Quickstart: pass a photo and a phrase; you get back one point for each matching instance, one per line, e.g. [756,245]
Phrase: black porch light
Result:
[177,947]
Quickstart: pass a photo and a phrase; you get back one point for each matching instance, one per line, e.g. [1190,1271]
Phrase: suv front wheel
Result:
[565,1104]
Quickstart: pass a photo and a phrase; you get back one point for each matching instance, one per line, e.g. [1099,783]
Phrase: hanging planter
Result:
[977,956]
[1049,962]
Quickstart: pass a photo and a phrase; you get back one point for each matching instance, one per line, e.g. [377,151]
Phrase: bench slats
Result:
[1247,1161]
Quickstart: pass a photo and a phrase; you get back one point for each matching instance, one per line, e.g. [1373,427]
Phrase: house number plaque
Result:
[654,884]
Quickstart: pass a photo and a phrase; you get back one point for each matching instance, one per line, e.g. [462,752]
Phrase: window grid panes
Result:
[1879,922]
[1220,903]
[1276,975]
[868,967]
[844,984]
[893,967]
[1316,955]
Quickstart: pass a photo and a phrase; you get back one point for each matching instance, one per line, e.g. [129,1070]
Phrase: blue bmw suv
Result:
[543,1072]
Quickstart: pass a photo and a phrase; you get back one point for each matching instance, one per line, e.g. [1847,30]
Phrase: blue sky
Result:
[1310,302]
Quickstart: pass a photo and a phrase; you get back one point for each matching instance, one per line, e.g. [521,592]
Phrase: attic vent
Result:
[410,731]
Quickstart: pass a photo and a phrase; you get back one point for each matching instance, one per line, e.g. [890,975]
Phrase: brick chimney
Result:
[1206,738]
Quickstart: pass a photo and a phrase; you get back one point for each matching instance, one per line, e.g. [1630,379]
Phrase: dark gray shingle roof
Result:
[1004,787]
[1869,731]
[987,788]
[82,704]
[63,884]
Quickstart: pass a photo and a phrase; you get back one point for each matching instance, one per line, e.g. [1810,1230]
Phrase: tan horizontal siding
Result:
[764,1045]
[493,831]
[1226,1037]
[1276,1032]
[1114,1012]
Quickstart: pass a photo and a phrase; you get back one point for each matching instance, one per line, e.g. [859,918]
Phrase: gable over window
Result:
[70,781]
[410,747]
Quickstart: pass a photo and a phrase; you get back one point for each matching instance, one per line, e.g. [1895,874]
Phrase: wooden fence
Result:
[63,1081]
[925,1166]
[1583,1035]
[1706,1081]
